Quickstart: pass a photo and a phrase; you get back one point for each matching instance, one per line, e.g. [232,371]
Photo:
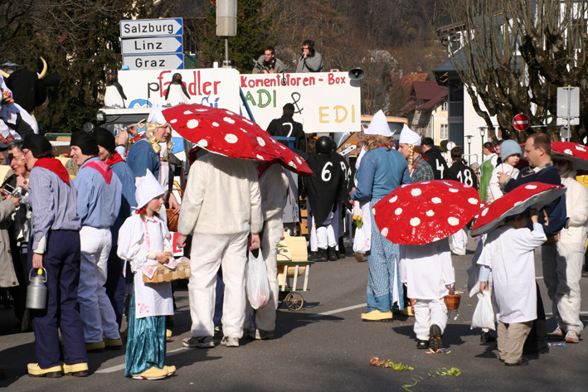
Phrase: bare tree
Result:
[515,55]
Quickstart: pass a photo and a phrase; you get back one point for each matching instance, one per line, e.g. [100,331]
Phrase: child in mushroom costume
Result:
[508,251]
[410,146]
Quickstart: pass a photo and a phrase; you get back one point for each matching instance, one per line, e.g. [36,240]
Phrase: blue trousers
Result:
[62,263]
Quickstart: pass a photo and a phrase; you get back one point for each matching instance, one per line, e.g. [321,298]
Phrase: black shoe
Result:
[422,344]
[435,341]
[520,362]
[485,337]
[321,255]
[332,254]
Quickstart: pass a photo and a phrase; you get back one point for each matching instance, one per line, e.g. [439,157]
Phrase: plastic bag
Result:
[258,291]
[363,235]
[484,314]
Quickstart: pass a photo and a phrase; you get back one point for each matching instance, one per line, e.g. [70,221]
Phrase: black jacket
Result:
[464,174]
[437,162]
[285,126]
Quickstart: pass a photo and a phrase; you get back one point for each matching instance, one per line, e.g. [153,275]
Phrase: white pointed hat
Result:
[379,126]
[147,190]
[156,115]
[408,136]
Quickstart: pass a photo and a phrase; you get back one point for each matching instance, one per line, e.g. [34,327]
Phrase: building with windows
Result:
[427,110]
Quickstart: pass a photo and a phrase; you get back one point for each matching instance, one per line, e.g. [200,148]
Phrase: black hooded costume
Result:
[324,190]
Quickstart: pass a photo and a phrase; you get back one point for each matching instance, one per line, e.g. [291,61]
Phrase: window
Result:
[444,132]
[444,106]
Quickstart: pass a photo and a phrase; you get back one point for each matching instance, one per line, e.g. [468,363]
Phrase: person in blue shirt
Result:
[382,170]
[115,284]
[98,206]
[54,246]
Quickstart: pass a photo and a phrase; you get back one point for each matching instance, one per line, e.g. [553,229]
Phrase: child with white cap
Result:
[144,241]
[510,153]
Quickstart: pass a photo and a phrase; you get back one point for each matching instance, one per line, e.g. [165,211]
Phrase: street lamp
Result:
[482,134]
[469,137]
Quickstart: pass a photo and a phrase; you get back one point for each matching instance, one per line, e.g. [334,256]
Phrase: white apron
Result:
[152,299]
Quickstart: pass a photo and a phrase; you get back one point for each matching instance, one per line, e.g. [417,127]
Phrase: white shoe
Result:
[458,253]
[572,337]
[230,341]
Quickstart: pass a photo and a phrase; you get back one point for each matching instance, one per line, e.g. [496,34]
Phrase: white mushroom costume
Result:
[508,251]
[138,242]
[421,216]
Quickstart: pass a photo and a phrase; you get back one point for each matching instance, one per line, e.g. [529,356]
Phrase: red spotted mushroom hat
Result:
[569,151]
[226,133]
[531,195]
[425,212]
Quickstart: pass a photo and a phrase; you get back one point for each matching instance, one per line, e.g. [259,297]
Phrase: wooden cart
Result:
[292,263]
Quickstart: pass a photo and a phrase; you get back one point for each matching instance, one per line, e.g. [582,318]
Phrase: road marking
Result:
[122,367]
[340,310]
[550,315]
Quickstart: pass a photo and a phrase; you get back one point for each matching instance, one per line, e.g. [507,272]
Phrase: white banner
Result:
[323,102]
[214,87]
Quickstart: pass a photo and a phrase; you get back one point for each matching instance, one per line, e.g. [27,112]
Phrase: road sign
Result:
[568,102]
[151,27]
[521,122]
[152,45]
[159,61]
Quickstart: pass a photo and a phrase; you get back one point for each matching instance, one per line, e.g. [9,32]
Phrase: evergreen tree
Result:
[254,34]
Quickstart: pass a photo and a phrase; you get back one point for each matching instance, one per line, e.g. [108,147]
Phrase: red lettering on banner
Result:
[266,82]
[216,87]
[205,87]
[243,82]
[331,79]
[252,83]
[192,86]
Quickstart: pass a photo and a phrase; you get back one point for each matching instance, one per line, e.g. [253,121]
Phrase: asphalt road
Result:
[323,347]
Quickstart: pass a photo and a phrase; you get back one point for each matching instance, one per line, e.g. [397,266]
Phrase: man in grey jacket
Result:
[310,60]
[268,63]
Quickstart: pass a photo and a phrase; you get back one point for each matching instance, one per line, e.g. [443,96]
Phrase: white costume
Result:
[496,189]
[138,243]
[273,185]
[427,270]
[362,241]
[509,253]
[562,270]
[221,206]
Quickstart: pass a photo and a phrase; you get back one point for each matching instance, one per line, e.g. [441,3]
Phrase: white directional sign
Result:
[152,45]
[159,61]
[151,27]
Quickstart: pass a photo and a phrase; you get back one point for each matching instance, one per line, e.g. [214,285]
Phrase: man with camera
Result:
[267,63]
[310,60]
